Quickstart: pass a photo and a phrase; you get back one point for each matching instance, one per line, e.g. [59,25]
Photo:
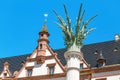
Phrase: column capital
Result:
[74,54]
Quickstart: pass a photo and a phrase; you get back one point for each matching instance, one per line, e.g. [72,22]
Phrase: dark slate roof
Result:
[107,48]
[15,62]
[110,51]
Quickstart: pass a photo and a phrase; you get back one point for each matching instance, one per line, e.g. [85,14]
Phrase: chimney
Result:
[117,37]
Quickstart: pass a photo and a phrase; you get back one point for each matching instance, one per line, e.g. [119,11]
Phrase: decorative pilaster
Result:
[73,64]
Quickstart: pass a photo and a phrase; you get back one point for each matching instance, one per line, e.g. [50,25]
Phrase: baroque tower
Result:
[42,44]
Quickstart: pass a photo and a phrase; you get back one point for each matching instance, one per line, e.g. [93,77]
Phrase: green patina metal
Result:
[74,37]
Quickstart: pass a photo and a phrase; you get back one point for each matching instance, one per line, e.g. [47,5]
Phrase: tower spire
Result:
[44,29]
[42,43]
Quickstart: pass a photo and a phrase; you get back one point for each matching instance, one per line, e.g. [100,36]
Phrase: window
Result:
[51,70]
[41,35]
[81,66]
[29,72]
[115,49]
[5,74]
[40,46]
[101,65]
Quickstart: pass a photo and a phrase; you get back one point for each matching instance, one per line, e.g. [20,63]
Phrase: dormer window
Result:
[29,71]
[51,68]
[96,52]
[81,66]
[115,49]
[101,61]
[40,46]
[101,64]
[5,75]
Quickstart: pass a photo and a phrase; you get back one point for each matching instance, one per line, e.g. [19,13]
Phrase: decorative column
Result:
[73,64]
[73,37]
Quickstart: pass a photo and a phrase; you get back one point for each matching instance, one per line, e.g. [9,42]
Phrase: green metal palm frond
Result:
[88,31]
[78,32]
[67,18]
[85,24]
[91,19]
[65,28]
[68,22]
[62,22]
[74,39]
[78,20]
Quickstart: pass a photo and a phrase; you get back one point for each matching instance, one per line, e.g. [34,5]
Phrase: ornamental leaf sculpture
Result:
[74,38]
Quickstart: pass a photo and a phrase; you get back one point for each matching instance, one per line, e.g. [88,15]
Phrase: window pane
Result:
[29,72]
[51,70]
[81,66]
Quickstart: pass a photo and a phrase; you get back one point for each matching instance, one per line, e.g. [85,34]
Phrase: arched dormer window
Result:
[101,61]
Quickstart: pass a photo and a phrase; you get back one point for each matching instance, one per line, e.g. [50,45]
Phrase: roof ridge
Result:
[99,42]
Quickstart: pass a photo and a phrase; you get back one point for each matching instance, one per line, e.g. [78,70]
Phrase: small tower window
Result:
[41,35]
[29,72]
[40,46]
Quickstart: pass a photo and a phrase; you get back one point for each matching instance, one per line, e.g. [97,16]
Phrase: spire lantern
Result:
[44,30]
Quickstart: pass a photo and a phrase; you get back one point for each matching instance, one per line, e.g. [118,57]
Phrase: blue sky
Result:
[21,20]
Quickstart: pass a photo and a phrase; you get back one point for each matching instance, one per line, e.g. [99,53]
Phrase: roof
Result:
[15,62]
[44,29]
[110,51]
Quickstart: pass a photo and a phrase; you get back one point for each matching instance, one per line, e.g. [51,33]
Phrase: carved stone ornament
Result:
[40,59]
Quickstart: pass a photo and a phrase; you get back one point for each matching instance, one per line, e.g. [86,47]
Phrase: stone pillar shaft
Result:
[73,65]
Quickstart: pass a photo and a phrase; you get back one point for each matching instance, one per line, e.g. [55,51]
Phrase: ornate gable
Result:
[6,72]
[50,65]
